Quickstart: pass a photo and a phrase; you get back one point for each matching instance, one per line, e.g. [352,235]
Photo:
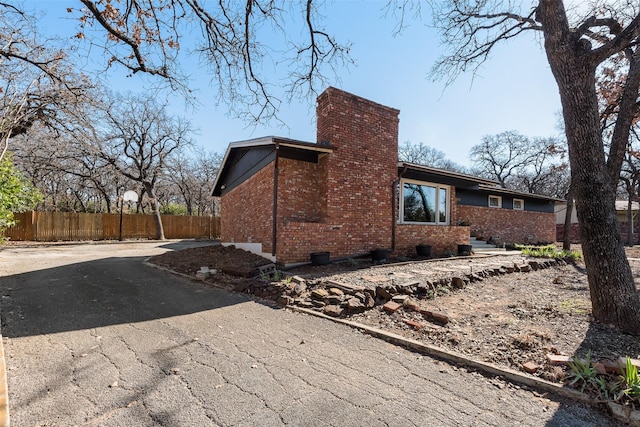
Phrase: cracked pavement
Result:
[94,337]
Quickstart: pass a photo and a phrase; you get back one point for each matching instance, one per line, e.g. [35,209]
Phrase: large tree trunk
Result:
[614,298]
[630,222]
[568,225]
[155,208]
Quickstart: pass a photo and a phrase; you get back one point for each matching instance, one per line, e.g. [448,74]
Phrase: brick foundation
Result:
[442,238]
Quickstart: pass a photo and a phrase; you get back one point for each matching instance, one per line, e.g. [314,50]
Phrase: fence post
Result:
[31,229]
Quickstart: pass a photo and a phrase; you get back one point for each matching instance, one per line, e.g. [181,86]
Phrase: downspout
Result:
[394,207]
[275,202]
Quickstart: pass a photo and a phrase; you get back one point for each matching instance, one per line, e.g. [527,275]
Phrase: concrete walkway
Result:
[93,337]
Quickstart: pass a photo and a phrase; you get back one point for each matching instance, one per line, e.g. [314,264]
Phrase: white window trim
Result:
[499,201]
[430,184]
[521,208]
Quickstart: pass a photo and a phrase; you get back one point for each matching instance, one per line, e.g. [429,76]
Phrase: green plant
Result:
[574,306]
[606,390]
[548,251]
[582,373]
[629,382]
[272,276]
[17,193]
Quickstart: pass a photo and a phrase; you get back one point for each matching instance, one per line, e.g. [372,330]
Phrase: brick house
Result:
[347,194]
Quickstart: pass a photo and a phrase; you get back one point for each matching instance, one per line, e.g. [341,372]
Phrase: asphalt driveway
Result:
[94,337]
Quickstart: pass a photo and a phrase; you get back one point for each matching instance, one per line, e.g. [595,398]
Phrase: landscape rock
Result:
[334,299]
[298,280]
[284,300]
[354,304]
[411,304]
[369,302]
[300,288]
[457,282]
[399,298]
[333,310]
[319,294]
[525,268]
[383,293]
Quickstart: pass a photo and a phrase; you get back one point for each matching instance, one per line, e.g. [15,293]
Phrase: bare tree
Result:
[147,36]
[38,81]
[630,186]
[422,154]
[576,46]
[517,162]
[548,172]
[193,174]
[61,164]
[138,141]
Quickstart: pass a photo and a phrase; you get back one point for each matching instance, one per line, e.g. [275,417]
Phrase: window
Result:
[495,201]
[424,203]
[518,204]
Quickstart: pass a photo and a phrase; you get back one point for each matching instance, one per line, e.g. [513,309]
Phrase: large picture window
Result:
[424,203]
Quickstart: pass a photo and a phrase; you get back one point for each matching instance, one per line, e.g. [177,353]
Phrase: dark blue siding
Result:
[481,198]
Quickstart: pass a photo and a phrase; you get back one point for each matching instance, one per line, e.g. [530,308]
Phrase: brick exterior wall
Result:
[344,204]
[575,233]
[441,238]
[298,191]
[247,211]
[508,225]
[354,197]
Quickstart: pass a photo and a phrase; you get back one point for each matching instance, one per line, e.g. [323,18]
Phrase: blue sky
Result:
[514,90]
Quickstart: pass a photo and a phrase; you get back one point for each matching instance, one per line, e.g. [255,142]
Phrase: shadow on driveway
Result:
[99,293]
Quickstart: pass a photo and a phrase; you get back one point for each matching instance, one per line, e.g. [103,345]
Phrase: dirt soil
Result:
[506,319]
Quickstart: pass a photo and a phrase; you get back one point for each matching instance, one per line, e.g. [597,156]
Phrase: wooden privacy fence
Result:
[55,226]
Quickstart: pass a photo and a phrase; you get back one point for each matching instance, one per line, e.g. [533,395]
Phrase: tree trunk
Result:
[614,298]
[638,225]
[566,244]
[630,222]
[155,209]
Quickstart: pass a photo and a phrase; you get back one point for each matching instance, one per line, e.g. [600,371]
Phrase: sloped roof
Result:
[426,173]
[461,180]
[243,158]
[623,205]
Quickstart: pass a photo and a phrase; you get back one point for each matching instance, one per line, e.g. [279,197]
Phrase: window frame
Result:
[521,208]
[498,198]
[438,188]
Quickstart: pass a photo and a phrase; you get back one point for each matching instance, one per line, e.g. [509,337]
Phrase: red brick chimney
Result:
[358,176]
